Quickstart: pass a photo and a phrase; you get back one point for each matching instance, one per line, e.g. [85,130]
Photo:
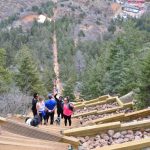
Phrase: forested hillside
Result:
[115,64]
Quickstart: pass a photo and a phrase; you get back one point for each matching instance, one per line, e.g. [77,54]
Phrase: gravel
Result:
[97,107]
[93,117]
[112,137]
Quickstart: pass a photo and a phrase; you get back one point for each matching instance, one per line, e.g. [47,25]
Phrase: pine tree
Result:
[28,78]
[5,75]
[69,89]
[144,84]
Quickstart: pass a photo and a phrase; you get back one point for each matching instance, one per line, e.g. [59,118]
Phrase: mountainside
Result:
[10,7]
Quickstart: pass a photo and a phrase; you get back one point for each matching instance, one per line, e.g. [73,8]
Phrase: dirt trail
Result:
[57,82]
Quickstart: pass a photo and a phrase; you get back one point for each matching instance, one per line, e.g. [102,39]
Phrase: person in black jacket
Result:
[59,105]
[34,101]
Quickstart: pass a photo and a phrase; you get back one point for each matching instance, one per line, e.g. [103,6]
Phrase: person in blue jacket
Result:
[50,106]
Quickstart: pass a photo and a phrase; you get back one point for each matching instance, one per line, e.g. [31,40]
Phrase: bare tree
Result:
[14,102]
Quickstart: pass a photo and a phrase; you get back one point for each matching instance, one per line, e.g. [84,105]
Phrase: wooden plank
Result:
[137,114]
[21,146]
[96,103]
[29,131]
[80,106]
[112,118]
[78,103]
[110,110]
[128,105]
[71,140]
[28,141]
[91,101]
[101,98]
[111,99]
[94,112]
[119,101]
[136,125]
[132,145]
[91,130]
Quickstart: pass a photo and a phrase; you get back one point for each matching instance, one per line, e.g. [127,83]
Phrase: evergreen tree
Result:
[69,89]
[28,78]
[144,84]
[5,75]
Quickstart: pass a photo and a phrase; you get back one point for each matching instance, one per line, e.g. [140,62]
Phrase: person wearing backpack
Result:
[33,121]
[67,111]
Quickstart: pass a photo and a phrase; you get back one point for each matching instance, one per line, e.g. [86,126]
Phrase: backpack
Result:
[35,121]
[70,107]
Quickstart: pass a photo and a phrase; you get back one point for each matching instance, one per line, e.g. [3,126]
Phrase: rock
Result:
[145,133]
[96,144]
[91,146]
[130,132]
[125,139]
[98,147]
[146,136]
[122,136]
[87,138]
[137,137]
[103,142]
[124,132]
[119,141]
[138,133]
[111,133]
[82,140]
[130,137]
[97,137]
[85,145]
[117,135]
[147,130]
[105,136]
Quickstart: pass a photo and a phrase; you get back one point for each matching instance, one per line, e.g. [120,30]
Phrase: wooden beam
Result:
[96,103]
[112,118]
[71,140]
[77,103]
[101,98]
[21,146]
[94,112]
[30,141]
[135,125]
[91,130]
[119,101]
[128,105]
[80,106]
[137,114]
[133,145]
[111,99]
[110,110]
[29,131]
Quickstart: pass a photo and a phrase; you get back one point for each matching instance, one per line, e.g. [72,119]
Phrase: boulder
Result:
[117,135]
[111,133]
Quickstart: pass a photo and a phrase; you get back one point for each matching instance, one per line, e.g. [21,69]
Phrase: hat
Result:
[49,95]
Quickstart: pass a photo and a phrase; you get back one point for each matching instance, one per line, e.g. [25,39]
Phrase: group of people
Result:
[45,110]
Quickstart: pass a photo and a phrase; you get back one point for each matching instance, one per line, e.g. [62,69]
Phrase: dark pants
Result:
[51,116]
[34,112]
[60,112]
[67,118]
[42,117]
